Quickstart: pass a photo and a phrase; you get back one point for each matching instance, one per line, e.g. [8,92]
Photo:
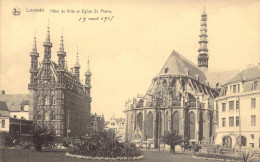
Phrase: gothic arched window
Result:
[150,125]
[175,121]
[140,121]
[192,125]
[166,122]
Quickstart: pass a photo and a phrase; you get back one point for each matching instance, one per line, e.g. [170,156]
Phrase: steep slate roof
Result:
[220,77]
[3,106]
[177,64]
[14,101]
[247,74]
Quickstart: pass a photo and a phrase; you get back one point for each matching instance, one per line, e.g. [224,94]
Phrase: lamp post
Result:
[159,115]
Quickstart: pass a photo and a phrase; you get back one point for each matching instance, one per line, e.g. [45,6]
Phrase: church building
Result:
[179,99]
[60,100]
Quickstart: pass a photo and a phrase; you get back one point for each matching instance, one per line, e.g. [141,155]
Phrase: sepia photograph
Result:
[132,80]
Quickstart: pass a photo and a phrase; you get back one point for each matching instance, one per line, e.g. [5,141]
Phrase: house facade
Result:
[238,110]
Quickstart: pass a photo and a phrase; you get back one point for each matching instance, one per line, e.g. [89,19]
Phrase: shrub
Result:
[173,139]
[41,136]
[12,139]
[103,144]
[217,156]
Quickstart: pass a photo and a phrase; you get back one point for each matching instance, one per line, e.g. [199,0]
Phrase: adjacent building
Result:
[97,123]
[238,110]
[118,125]
[4,117]
[60,101]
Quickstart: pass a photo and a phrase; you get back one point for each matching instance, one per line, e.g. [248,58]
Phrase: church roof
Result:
[247,74]
[14,101]
[178,64]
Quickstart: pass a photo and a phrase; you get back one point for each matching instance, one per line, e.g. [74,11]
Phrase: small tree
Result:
[42,135]
[172,139]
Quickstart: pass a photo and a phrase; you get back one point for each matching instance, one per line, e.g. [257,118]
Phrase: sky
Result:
[128,51]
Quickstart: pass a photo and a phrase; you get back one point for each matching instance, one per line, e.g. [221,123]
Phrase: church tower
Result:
[77,66]
[34,64]
[87,85]
[203,41]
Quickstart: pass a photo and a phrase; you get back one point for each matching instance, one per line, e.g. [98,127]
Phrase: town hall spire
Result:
[34,63]
[47,44]
[61,54]
[203,41]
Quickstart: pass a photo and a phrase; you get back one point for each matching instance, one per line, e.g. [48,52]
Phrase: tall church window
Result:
[150,125]
[140,121]
[166,122]
[175,121]
[192,125]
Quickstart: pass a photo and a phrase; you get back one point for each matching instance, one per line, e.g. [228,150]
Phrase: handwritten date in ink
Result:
[103,19]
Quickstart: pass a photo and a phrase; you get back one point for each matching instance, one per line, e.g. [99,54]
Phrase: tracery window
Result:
[150,125]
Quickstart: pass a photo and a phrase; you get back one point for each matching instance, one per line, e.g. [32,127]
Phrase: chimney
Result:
[2,92]
[217,84]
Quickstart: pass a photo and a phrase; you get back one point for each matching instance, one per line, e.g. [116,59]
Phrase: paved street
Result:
[33,156]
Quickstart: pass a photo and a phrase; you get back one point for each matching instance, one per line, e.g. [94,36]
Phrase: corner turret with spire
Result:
[34,63]
[61,55]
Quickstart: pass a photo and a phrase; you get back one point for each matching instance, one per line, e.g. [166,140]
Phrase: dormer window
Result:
[166,70]
[22,108]
[234,88]
[255,85]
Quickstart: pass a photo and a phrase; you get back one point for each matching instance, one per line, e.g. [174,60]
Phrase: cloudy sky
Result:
[127,52]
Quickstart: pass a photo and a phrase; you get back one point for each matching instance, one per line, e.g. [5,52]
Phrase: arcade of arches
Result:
[149,124]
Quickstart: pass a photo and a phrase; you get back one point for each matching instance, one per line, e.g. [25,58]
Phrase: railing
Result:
[192,104]
[176,103]
[139,106]
[149,104]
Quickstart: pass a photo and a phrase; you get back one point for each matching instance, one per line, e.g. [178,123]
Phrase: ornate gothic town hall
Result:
[179,99]
[60,101]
